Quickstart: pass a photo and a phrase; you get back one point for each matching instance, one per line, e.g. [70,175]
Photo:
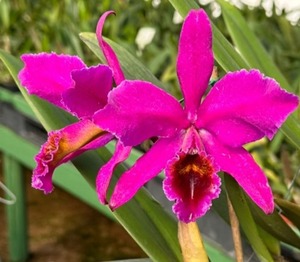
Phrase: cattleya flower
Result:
[68,83]
[196,140]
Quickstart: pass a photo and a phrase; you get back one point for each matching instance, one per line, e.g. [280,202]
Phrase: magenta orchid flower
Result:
[68,83]
[196,140]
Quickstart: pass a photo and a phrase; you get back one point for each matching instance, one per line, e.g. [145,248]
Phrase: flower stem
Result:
[235,232]
[191,243]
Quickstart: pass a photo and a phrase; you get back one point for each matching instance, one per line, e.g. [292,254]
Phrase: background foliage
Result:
[44,26]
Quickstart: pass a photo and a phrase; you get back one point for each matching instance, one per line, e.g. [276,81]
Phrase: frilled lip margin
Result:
[63,145]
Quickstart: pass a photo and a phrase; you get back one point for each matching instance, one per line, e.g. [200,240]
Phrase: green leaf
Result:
[183,7]
[290,210]
[225,54]
[291,129]
[271,242]
[147,222]
[274,225]
[220,205]
[245,218]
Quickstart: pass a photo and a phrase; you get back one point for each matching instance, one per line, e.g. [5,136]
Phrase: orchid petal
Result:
[105,173]
[63,145]
[49,75]
[108,52]
[245,106]
[138,110]
[147,166]
[90,90]
[241,166]
[195,58]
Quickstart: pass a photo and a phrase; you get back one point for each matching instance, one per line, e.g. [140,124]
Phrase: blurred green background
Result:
[36,26]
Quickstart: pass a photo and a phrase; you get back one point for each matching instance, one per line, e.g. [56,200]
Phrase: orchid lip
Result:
[62,146]
[192,182]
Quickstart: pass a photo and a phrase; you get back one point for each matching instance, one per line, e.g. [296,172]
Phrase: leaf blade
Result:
[246,220]
[275,225]
[290,210]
